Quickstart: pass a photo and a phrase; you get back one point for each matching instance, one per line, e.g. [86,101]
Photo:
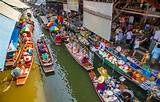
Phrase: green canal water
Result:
[69,83]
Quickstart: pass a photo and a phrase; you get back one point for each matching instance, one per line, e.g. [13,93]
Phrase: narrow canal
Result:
[70,83]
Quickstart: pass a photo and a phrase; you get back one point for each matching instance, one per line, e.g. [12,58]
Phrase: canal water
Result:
[70,83]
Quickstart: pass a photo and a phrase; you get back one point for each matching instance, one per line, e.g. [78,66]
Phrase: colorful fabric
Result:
[45,56]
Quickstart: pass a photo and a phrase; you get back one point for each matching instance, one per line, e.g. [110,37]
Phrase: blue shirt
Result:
[156,53]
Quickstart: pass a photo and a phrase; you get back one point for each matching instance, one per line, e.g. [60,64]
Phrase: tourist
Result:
[155,54]
[137,45]
[145,58]
[119,37]
[129,37]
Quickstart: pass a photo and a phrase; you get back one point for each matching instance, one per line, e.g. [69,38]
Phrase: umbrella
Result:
[55,17]
[25,29]
[54,24]
[49,24]
[54,28]
[16,72]
[51,20]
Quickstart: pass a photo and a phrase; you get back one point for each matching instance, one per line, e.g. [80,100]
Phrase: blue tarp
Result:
[6,28]
[14,39]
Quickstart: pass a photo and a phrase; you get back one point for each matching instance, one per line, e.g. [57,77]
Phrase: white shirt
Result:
[137,43]
[131,19]
[129,35]
[157,35]
[120,36]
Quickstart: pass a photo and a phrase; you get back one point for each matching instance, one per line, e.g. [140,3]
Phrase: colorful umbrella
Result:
[25,29]
[54,28]
[53,18]
[54,24]
[49,24]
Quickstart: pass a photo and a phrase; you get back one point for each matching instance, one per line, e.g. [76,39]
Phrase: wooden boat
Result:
[25,63]
[85,66]
[93,77]
[47,64]
[11,61]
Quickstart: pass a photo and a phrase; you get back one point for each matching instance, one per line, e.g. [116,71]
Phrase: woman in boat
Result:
[85,59]
[30,50]
[45,57]
[81,51]
[58,39]
[74,48]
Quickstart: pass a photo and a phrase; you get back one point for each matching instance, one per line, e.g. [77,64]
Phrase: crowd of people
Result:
[127,35]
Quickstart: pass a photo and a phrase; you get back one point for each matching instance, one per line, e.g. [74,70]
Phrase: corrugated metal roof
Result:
[16,3]
[9,12]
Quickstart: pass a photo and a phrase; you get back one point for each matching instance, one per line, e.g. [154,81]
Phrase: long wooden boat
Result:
[85,66]
[25,66]
[47,64]
[93,76]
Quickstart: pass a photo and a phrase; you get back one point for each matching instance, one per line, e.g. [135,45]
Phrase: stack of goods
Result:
[122,64]
[26,31]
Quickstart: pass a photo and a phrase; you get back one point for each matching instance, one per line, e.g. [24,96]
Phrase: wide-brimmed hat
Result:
[27,58]
[101,79]
[121,78]
[24,34]
[104,71]
[118,48]
[109,93]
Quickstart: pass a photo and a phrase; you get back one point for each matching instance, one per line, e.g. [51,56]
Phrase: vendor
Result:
[29,50]
[58,38]
[85,59]
[45,56]
[102,44]
[74,50]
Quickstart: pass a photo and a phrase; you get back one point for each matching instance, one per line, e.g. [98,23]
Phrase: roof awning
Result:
[9,12]
[6,28]
[44,19]
[16,3]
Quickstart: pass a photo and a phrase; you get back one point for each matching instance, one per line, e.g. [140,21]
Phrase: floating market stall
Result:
[116,58]
[14,48]
[111,88]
